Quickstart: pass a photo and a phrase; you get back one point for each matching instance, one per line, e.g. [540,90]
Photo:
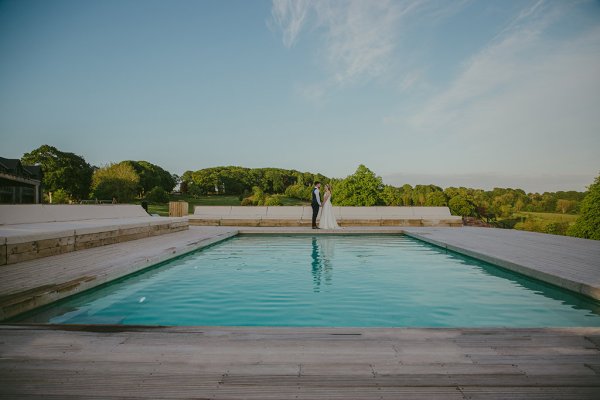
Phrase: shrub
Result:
[247,202]
[258,196]
[60,196]
[531,225]
[157,195]
[299,191]
[557,228]
[118,181]
[588,224]
[273,201]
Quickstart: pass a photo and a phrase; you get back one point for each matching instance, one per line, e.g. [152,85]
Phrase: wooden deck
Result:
[123,362]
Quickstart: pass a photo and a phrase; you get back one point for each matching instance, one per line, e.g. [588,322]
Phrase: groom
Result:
[316,204]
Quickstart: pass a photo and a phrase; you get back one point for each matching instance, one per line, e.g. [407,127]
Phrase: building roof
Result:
[14,167]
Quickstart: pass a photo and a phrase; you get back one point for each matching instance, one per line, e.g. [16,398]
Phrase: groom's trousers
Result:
[315,208]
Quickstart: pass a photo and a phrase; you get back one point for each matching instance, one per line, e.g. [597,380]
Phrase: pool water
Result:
[366,281]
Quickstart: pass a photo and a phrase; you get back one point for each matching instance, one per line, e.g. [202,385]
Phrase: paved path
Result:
[568,262]
[111,362]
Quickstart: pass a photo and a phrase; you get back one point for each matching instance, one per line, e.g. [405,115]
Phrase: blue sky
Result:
[475,93]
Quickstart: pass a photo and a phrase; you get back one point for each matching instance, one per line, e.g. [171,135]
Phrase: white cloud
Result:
[525,92]
[358,36]
[290,16]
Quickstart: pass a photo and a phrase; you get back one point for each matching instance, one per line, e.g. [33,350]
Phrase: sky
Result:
[482,93]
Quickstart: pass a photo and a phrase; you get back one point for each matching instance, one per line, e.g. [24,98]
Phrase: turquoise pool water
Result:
[365,281]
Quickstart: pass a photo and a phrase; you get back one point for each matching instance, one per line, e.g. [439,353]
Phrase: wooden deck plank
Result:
[234,363]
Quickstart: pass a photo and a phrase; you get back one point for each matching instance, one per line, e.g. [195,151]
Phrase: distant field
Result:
[163,209]
[554,223]
[548,217]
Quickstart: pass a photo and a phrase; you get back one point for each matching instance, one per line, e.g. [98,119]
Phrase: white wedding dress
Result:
[327,220]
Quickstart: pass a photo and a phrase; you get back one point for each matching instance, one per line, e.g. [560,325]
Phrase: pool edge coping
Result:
[580,288]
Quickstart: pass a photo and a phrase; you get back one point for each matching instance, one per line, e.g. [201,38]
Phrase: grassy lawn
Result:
[547,217]
[554,223]
[163,209]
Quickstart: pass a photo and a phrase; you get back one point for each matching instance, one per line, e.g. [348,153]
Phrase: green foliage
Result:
[436,199]
[118,181]
[60,196]
[557,228]
[299,191]
[392,196]
[260,198]
[531,225]
[588,224]
[421,192]
[566,206]
[363,188]
[237,180]
[152,176]
[461,206]
[62,171]
[274,200]
[157,195]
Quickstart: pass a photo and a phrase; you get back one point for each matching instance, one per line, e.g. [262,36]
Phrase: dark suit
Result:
[315,206]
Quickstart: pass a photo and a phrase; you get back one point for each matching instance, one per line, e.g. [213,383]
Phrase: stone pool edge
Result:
[578,287]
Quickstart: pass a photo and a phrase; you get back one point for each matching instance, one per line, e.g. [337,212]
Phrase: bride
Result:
[327,218]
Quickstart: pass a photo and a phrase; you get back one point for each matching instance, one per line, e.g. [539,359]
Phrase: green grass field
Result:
[547,217]
[554,223]
[163,209]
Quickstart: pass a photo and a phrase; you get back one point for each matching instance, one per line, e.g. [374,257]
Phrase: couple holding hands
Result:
[327,220]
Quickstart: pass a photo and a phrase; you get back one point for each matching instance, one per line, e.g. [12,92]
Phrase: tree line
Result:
[365,188]
[68,177]
[263,186]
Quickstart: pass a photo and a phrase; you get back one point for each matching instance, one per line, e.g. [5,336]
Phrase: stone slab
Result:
[567,262]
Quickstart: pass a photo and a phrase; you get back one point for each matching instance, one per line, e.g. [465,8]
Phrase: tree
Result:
[461,206]
[566,206]
[363,188]
[118,181]
[392,196]
[437,199]
[152,175]
[407,194]
[157,195]
[421,192]
[61,171]
[588,224]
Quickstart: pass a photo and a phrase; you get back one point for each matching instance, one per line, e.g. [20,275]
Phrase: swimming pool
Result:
[362,280]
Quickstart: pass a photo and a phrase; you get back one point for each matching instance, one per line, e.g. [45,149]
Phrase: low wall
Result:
[33,231]
[302,216]
[14,214]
